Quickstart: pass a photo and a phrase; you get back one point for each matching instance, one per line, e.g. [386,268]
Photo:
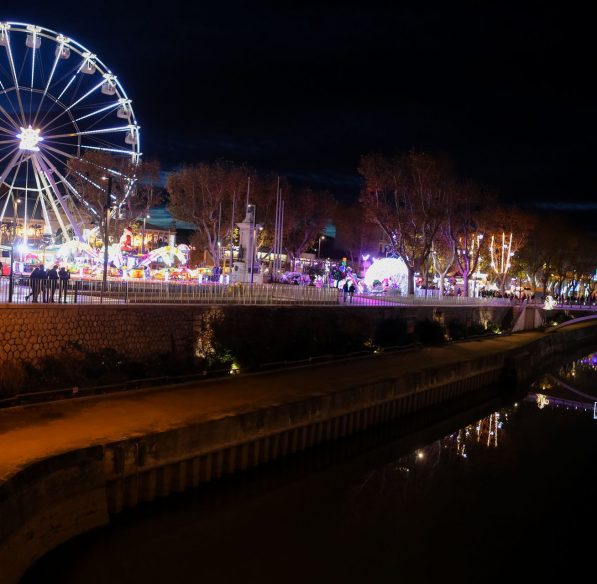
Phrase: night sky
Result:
[304,89]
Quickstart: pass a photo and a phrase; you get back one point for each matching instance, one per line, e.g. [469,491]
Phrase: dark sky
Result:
[505,90]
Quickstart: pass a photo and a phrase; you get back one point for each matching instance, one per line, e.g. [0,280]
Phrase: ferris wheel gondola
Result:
[58,101]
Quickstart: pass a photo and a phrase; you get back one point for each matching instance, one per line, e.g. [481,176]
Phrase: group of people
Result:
[47,282]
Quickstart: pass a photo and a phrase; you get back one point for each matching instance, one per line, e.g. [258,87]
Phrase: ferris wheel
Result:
[58,101]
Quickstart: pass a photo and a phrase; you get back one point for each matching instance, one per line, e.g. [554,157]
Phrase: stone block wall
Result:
[140,333]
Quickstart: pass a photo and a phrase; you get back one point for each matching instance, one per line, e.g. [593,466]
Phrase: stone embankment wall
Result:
[53,500]
[32,333]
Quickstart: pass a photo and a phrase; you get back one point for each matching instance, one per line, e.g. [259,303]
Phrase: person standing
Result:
[350,291]
[52,282]
[64,277]
[34,283]
[43,282]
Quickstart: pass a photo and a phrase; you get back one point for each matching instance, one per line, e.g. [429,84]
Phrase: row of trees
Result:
[214,197]
[437,223]
[413,204]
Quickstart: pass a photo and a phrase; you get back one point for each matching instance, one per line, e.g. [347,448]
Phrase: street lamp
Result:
[143,240]
[16,203]
[319,245]
[106,222]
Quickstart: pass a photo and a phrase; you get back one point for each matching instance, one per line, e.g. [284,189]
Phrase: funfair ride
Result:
[58,101]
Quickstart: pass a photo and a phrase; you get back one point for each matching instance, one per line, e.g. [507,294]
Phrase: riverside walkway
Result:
[66,467]
[35,432]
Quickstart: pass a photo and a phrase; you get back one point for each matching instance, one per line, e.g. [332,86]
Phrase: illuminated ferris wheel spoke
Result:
[66,87]
[6,130]
[14,123]
[9,166]
[60,96]
[92,124]
[105,149]
[46,194]
[46,174]
[53,70]
[2,110]
[14,76]
[76,193]
[33,42]
[91,132]
[40,199]
[80,198]
[95,88]
[10,196]
[99,111]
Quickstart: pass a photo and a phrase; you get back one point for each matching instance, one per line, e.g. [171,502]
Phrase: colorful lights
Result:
[29,139]
[391,271]
[542,401]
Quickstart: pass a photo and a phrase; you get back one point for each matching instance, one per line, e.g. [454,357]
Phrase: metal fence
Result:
[421,300]
[21,291]
[74,291]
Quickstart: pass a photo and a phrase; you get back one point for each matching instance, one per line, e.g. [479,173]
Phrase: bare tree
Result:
[354,234]
[443,252]
[407,198]
[508,234]
[470,217]
[212,197]
[133,189]
[305,219]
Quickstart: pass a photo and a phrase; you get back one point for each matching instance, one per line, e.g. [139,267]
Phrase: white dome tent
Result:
[391,273]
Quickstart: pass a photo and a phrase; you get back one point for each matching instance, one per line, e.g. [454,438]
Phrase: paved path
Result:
[33,432]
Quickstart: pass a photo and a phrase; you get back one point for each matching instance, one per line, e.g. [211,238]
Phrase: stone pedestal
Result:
[246,269]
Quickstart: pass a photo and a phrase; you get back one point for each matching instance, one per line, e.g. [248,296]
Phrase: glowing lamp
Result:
[29,139]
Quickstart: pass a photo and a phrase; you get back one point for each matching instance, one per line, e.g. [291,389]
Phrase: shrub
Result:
[12,378]
[457,330]
[429,332]
[391,332]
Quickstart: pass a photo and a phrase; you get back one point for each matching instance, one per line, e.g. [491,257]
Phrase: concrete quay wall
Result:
[53,500]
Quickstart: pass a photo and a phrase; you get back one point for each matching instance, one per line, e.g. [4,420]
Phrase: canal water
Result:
[505,491]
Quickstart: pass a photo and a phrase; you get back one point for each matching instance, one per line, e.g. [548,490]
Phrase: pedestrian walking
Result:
[350,292]
[345,291]
[64,277]
[52,282]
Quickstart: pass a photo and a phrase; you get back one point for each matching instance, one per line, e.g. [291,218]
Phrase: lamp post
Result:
[106,223]
[143,240]
[319,245]
[11,281]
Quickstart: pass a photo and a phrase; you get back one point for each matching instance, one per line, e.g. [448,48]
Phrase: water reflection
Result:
[450,500]
[416,470]
[571,385]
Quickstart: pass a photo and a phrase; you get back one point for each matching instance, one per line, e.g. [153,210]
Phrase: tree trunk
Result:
[411,281]
[503,283]
[465,284]
[441,285]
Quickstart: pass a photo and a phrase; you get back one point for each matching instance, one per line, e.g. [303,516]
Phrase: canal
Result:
[506,490]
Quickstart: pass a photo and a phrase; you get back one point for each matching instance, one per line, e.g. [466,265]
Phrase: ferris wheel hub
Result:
[29,139]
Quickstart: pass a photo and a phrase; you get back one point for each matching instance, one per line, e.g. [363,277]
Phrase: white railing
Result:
[144,292]
[153,292]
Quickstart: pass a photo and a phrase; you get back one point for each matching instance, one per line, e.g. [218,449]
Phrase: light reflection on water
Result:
[487,498]
[571,386]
